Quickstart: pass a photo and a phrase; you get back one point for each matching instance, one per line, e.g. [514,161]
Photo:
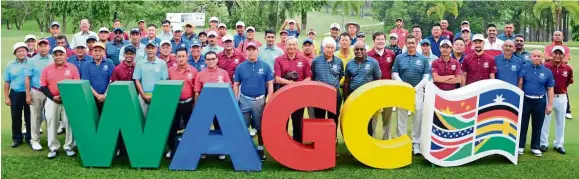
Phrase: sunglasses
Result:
[359,49]
[210,59]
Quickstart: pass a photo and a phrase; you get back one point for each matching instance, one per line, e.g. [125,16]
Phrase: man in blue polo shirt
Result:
[196,59]
[435,39]
[15,93]
[147,73]
[294,28]
[412,68]
[135,37]
[37,98]
[240,36]
[177,41]
[509,66]
[520,49]
[537,81]
[98,72]
[80,58]
[256,80]
[114,47]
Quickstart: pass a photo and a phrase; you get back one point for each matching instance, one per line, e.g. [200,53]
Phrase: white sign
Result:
[197,19]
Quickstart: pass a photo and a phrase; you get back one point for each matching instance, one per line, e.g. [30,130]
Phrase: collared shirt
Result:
[418,49]
[238,38]
[469,48]
[70,52]
[362,73]
[143,32]
[283,64]
[51,75]
[165,36]
[478,67]
[345,59]
[80,37]
[207,75]
[182,44]
[537,79]
[170,60]
[112,36]
[434,45]
[156,40]
[445,68]
[549,49]
[16,72]
[114,49]
[397,50]
[52,42]
[402,33]
[411,68]
[563,75]
[188,77]
[310,57]
[79,62]
[216,49]
[199,64]
[38,63]
[291,32]
[242,47]
[337,39]
[509,70]
[189,38]
[431,57]
[447,34]
[353,40]
[504,37]
[149,73]
[385,61]
[526,56]
[330,72]
[98,75]
[269,54]
[281,45]
[461,59]
[32,53]
[140,54]
[495,48]
[123,72]
[253,77]
[229,63]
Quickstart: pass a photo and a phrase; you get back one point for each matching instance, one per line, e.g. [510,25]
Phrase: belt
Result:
[186,101]
[253,98]
[534,97]
[35,88]
[560,95]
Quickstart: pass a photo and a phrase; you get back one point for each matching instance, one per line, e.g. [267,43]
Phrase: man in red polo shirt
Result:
[211,74]
[400,31]
[165,54]
[250,35]
[229,58]
[445,32]
[124,71]
[479,65]
[446,70]
[308,50]
[385,58]
[290,68]
[182,71]
[557,41]
[117,24]
[283,35]
[54,110]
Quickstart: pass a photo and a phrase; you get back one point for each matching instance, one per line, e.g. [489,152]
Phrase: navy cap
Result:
[118,29]
[130,48]
[308,40]
[195,43]
[360,34]
[91,37]
[135,30]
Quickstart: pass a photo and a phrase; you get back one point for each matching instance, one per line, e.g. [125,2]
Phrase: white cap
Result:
[463,29]
[29,36]
[558,47]
[447,42]
[19,45]
[214,19]
[165,42]
[211,33]
[104,29]
[221,25]
[239,23]
[393,35]
[335,25]
[327,41]
[465,22]
[291,21]
[226,38]
[250,28]
[80,45]
[478,37]
[177,28]
[59,48]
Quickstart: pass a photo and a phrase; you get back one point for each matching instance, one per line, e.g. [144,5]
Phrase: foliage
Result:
[556,8]
[443,7]
[302,8]
[346,6]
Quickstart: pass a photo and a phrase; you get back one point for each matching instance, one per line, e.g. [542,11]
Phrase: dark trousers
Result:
[18,100]
[184,111]
[568,105]
[297,117]
[321,114]
[535,109]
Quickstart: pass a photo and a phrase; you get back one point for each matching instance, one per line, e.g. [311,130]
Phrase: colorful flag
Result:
[469,123]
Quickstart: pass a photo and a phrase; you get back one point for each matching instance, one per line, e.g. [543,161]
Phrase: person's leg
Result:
[99,106]
[52,123]
[560,109]
[144,106]
[568,105]
[297,117]
[174,127]
[527,105]
[372,124]
[402,122]
[544,141]
[256,113]
[186,111]
[36,108]
[386,123]
[320,113]
[26,107]
[245,108]
[69,140]
[311,112]
[538,116]
[16,114]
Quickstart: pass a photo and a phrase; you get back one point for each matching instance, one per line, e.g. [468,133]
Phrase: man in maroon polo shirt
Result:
[117,24]
[165,54]
[290,68]
[229,58]
[445,32]
[124,71]
[478,65]
[446,71]
[385,58]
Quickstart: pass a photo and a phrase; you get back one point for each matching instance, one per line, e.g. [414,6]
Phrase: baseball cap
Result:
[54,24]
[43,40]
[291,21]
[308,40]
[130,48]
[135,30]
[250,28]
[195,43]
[143,21]
[221,25]
[59,48]
[104,29]
[118,29]
[360,34]
[79,45]
[335,25]
[312,31]
[393,35]
[446,42]
[353,23]
[100,44]
[251,44]
[188,23]
[202,32]
[558,47]
[520,35]
[464,22]
[283,31]
[19,45]
[463,29]
[226,38]
[239,23]
[91,37]
[151,43]
[29,36]
[476,37]
[424,41]
[213,19]
[163,42]
[210,33]
[399,19]
[177,28]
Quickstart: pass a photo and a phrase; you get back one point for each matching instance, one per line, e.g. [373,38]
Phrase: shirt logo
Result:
[190,75]
[260,71]
[418,62]
[388,59]
[486,65]
[542,75]
[335,67]
[202,66]
[565,73]
[300,64]
[403,34]
[367,67]
[514,67]
[526,57]
[67,73]
[105,68]
[453,67]
[220,79]
[182,45]
[236,61]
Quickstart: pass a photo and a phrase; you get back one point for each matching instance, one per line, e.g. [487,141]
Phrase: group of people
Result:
[256,70]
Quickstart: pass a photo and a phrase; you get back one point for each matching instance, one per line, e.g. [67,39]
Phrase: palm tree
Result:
[557,7]
[442,7]
[347,6]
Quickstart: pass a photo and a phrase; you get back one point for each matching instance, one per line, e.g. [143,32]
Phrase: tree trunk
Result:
[343,17]
[8,23]
[63,30]
[17,24]
[40,24]
[304,22]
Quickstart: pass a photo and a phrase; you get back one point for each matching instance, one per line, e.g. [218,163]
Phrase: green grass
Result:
[570,44]
[22,162]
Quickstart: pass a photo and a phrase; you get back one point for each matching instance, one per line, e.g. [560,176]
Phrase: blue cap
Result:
[195,42]
[151,43]
[423,41]
[117,29]
[130,48]
[91,37]
[135,30]
[308,40]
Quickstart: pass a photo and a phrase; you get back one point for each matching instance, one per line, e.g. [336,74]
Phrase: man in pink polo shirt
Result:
[400,31]
[54,110]
[229,58]
[250,35]
[283,35]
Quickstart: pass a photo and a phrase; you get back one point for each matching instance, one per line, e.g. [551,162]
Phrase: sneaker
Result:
[221,157]
[118,152]
[60,131]
[394,109]
[24,131]
[252,132]
[521,150]
[70,152]
[543,148]
[52,154]
[40,130]
[561,150]
[168,155]
[568,116]
[261,155]
[409,113]
[36,146]
[203,157]
[416,149]
[537,153]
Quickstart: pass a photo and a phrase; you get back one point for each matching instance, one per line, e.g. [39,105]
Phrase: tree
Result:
[443,7]
[557,7]
[303,7]
[347,6]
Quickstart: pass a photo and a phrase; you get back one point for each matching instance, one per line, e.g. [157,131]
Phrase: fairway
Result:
[22,162]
